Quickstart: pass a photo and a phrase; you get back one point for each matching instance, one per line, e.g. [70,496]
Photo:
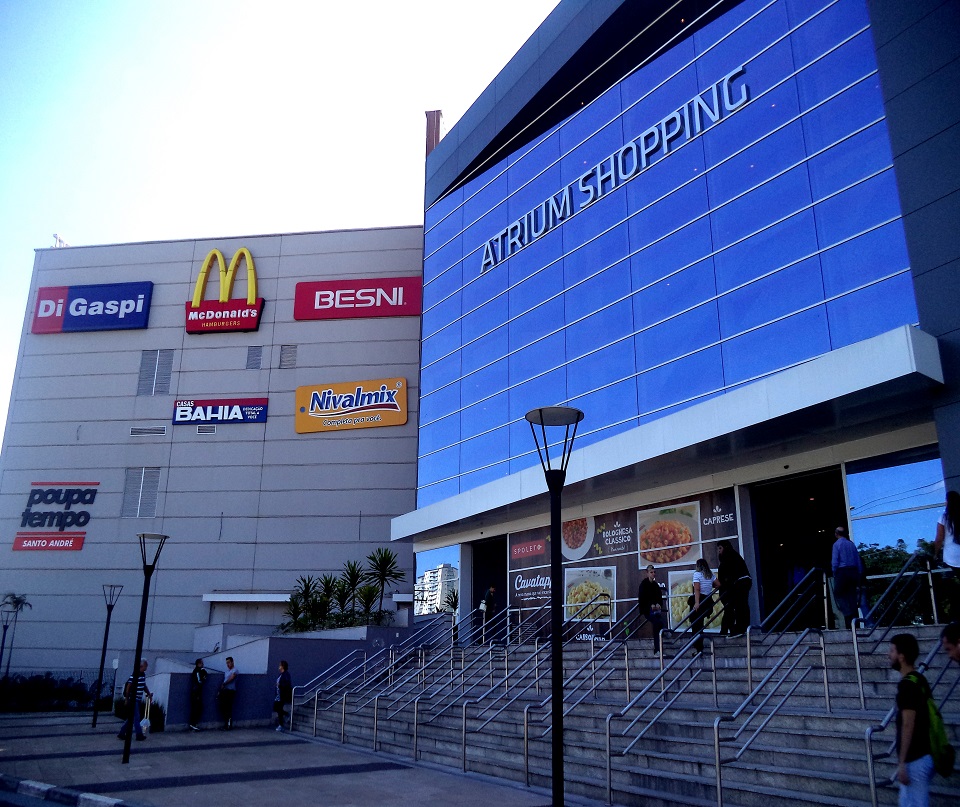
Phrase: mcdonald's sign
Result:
[225,314]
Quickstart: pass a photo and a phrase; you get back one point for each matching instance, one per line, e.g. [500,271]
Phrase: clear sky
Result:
[143,120]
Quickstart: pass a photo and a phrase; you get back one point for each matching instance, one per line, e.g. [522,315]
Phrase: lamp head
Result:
[6,616]
[554,416]
[152,539]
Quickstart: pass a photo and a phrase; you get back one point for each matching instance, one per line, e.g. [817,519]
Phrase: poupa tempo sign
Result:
[53,510]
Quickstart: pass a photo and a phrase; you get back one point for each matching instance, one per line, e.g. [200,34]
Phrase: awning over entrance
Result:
[879,383]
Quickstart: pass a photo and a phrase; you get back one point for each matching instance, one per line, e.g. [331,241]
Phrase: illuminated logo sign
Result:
[103,307]
[351,405]
[528,549]
[689,121]
[52,512]
[342,299]
[225,314]
[229,410]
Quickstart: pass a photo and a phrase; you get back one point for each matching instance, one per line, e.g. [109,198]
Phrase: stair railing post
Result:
[826,602]
[316,704]
[416,734]
[343,720]
[376,720]
[823,663]
[526,744]
[933,597]
[609,762]
[749,658]
[716,761]
[626,668]
[856,661]
[713,655]
[463,735]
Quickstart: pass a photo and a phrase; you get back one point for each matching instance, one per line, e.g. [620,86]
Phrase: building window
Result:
[140,490]
[254,357]
[288,357]
[156,367]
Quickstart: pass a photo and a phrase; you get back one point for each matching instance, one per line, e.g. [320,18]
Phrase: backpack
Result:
[944,755]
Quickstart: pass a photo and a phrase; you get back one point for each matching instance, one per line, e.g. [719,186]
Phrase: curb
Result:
[59,795]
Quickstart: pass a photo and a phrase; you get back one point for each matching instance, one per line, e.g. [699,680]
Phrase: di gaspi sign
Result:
[351,405]
[224,314]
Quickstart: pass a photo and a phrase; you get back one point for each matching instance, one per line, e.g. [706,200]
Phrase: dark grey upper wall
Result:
[918,54]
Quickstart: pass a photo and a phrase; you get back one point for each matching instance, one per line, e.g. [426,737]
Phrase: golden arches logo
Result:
[224,313]
[227,276]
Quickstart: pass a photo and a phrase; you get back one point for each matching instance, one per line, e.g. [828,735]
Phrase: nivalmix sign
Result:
[102,307]
[683,124]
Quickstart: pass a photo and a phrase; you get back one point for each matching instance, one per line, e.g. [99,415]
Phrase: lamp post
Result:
[7,617]
[110,596]
[555,474]
[152,539]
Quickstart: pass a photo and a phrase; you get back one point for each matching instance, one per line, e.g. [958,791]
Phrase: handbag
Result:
[483,605]
[145,720]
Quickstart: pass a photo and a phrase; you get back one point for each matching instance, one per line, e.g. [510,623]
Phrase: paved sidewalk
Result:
[240,768]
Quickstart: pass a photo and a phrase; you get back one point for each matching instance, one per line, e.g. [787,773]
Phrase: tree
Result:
[451,603]
[16,603]
[367,597]
[352,579]
[383,569]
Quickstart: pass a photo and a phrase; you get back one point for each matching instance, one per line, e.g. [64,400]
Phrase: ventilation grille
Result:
[156,367]
[140,489]
[288,357]
[254,357]
[207,428]
[147,431]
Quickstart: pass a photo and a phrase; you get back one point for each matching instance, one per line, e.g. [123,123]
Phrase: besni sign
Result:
[224,314]
[343,299]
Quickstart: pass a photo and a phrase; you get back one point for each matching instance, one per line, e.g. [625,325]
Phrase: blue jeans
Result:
[136,722]
[917,793]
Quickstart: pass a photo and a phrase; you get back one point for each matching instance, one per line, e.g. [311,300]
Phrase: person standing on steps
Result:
[488,605]
[228,694]
[947,540]
[847,571]
[914,760]
[197,679]
[701,601]
[284,693]
[733,580]
[650,604]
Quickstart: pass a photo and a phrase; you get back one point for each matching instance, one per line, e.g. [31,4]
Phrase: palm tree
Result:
[451,602]
[382,569]
[16,603]
[367,597]
[352,579]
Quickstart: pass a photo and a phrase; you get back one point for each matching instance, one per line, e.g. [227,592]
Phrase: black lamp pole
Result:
[154,539]
[110,595]
[555,476]
[7,616]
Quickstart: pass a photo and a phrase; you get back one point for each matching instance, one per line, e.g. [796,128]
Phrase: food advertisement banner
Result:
[608,553]
[351,405]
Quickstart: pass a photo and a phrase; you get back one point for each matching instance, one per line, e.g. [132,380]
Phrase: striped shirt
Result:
[141,685]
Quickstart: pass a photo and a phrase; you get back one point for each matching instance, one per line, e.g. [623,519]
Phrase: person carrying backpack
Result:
[921,738]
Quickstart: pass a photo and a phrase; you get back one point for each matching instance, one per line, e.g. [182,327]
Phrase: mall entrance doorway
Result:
[490,568]
[793,523]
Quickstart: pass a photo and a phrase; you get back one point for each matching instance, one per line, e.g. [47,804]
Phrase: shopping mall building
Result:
[729,233]
[255,399]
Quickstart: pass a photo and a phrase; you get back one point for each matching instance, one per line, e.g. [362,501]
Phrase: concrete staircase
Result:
[805,755]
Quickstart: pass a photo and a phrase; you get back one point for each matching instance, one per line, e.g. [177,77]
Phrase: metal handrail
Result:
[718,761]
[922,667]
[794,599]
[328,672]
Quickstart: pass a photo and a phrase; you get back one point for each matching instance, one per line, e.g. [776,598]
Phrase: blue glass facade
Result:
[744,218]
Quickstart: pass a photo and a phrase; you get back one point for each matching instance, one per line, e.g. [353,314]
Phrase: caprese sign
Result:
[220,410]
[344,299]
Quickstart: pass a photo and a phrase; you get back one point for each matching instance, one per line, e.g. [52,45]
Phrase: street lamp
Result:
[7,617]
[110,595]
[566,417]
[152,539]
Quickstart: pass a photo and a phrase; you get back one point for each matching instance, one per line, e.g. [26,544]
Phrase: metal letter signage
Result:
[351,405]
[102,307]
[222,410]
[342,299]
[50,529]
[224,315]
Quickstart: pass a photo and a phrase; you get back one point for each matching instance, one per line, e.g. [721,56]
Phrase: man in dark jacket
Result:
[650,604]
[284,694]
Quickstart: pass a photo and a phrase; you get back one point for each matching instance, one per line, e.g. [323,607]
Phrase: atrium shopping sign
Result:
[667,135]
[351,405]
[225,314]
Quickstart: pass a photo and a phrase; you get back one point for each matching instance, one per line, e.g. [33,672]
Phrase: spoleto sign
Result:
[689,121]
[224,314]
[351,405]
[51,526]
[101,307]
